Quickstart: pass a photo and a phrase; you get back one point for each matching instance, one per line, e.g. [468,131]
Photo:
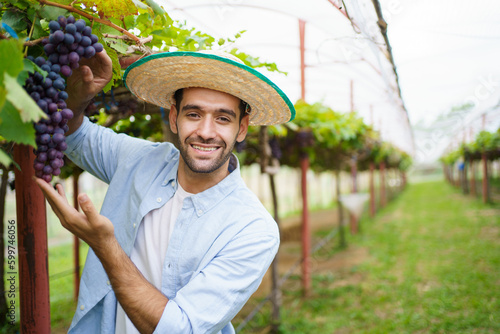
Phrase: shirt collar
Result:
[207,199]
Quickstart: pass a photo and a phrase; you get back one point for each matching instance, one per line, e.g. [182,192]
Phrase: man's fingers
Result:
[88,208]
[87,75]
[58,203]
[60,190]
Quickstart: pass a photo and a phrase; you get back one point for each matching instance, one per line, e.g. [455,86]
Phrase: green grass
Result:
[433,266]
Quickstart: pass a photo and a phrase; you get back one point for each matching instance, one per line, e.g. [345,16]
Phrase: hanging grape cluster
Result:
[68,42]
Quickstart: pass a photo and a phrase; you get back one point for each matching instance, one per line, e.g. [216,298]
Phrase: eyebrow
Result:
[220,110]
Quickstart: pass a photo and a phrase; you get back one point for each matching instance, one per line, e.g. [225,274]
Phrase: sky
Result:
[446,54]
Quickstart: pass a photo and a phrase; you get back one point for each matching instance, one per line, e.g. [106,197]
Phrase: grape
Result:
[240,146]
[89,52]
[86,41]
[80,24]
[67,113]
[68,42]
[275,148]
[69,39]
[47,83]
[40,61]
[56,118]
[59,84]
[87,31]
[42,157]
[66,70]
[78,37]
[62,21]
[57,37]
[47,169]
[35,96]
[52,154]
[42,104]
[54,25]
[73,57]
[49,49]
[70,28]
[38,165]
[63,95]
[98,47]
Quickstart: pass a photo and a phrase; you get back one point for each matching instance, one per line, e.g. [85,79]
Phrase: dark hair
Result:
[244,107]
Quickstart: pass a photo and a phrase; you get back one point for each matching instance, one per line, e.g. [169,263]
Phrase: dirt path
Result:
[291,248]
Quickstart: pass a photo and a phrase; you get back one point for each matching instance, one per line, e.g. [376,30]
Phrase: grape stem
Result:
[92,18]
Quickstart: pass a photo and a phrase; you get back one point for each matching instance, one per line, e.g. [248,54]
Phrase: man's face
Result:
[208,126]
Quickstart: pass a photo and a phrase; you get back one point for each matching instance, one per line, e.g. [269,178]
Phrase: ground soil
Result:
[290,251]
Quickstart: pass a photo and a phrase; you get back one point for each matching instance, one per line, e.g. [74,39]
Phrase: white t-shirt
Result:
[150,247]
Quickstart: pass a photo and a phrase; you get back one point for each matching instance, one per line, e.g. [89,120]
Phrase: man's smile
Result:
[204,148]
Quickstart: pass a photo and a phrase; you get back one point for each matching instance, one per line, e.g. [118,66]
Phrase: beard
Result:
[205,166]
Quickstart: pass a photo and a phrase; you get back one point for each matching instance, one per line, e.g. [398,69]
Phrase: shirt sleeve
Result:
[217,293]
[98,150]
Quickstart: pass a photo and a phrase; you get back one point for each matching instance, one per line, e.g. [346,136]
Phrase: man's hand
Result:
[143,303]
[85,83]
[96,230]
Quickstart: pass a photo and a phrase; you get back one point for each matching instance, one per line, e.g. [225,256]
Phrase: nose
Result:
[207,128]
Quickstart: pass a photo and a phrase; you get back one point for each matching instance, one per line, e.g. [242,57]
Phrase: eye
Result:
[192,115]
[224,119]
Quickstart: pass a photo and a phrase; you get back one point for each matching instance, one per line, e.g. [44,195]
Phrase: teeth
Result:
[206,149]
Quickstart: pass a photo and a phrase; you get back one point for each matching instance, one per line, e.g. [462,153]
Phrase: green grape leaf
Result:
[26,106]
[51,13]
[117,70]
[3,97]
[5,159]
[13,128]
[117,9]
[156,8]
[11,58]
[15,20]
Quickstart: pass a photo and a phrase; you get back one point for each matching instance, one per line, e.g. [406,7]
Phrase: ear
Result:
[243,128]
[172,119]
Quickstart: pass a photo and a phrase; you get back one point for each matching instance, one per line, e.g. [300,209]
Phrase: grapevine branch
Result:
[92,18]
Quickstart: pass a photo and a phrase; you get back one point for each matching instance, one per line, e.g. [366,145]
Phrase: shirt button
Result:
[134,225]
[158,199]
[82,307]
[200,212]
[108,282]
[173,184]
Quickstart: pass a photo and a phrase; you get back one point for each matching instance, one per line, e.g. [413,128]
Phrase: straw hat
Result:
[155,79]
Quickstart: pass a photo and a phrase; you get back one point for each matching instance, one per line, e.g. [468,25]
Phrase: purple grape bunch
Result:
[68,42]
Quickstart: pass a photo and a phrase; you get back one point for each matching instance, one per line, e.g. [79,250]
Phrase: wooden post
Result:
[342,241]
[32,246]
[306,233]
[354,172]
[383,199]
[372,190]
[472,179]
[485,178]
[76,242]
[302,33]
[275,289]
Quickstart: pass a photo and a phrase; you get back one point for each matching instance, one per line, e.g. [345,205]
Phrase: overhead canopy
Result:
[445,54]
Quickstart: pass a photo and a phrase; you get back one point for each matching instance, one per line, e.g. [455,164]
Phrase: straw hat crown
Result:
[157,77]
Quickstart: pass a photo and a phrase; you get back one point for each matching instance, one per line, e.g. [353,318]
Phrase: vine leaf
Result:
[27,108]
[13,128]
[117,9]
[4,158]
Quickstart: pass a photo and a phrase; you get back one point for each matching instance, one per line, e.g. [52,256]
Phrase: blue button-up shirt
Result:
[221,246]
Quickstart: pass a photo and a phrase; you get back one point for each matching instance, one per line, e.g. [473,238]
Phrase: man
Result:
[181,243]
